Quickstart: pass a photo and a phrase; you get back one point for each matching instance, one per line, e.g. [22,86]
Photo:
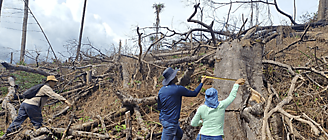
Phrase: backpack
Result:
[30,93]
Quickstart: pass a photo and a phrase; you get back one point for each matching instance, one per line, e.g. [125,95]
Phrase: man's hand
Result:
[68,103]
[240,81]
[203,79]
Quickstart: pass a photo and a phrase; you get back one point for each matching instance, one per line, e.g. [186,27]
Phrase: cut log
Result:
[25,68]
[6,101]
[176,61]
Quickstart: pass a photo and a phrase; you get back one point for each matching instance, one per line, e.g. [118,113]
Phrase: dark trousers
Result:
[171,131]
[26,110]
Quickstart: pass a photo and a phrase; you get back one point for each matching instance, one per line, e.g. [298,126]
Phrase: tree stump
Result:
[239,59]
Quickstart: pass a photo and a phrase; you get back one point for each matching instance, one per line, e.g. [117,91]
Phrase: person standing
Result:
[211,114]
[169,104]
[32,107]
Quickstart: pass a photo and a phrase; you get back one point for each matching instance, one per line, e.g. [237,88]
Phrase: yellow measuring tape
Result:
[220,78]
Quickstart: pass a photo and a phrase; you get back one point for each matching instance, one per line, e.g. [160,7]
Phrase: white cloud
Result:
[106,21]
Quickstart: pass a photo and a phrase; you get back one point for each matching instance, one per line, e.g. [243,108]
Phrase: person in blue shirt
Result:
[169,104]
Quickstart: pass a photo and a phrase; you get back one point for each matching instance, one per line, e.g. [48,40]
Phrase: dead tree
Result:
[0,6]
[23,43]
[81,32]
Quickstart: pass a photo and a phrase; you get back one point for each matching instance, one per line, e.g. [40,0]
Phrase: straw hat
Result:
[51,78]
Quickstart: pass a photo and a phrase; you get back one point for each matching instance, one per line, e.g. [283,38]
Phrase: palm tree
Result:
[158,9]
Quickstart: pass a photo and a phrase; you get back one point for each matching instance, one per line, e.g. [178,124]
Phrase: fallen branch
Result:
[176,61]
[140,120]
[103,126]
[297,41]
[318,125]
[6,101]
[128,125]
[81,134]
[25,68]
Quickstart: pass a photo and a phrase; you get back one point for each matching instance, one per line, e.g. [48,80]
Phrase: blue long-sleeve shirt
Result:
[169,101]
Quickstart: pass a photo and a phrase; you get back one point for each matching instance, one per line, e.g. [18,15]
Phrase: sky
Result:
[107,22]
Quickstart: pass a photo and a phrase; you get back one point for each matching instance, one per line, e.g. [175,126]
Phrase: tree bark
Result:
[322,9]
[23,43]
[239,61]
[81,31]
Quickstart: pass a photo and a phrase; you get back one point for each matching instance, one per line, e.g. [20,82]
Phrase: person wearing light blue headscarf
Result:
[211,114]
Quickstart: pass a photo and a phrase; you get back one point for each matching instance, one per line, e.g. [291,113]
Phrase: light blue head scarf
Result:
[211,98]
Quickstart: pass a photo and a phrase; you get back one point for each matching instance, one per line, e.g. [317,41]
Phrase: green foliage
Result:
[137,81]
[26,80]
[2,133]
[203,90]
[22,63]
[85,119]
[160,78]
[4,90]
[120,127]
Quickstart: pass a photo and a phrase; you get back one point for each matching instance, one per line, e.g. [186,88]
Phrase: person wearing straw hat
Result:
[169,104]
[32,107]
[211,114]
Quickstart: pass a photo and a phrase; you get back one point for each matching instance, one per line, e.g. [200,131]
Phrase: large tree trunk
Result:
[23,43]
[236,60]
[322,9]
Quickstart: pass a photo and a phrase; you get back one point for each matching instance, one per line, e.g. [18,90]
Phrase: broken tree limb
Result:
[140,120]
[206,55]
[140,49]
[281,12]
[25,68]
[136,58]
[6,101]
[81,134]
[290,69]
[103,126]
[298,118]
[297,41]
[318,125]
[280,105]
[209,27]
[68,126]
[128,125]
[176,61]
[137,101]
[171,53]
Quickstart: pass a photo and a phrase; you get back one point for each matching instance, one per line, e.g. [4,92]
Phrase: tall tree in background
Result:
[158,9]
[23,43]
[322,10]
[81,31]
[0,7]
